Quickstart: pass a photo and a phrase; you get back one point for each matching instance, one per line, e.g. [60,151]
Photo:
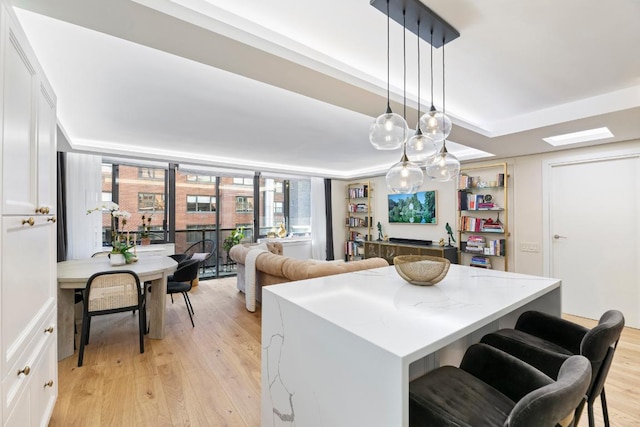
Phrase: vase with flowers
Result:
[121,244]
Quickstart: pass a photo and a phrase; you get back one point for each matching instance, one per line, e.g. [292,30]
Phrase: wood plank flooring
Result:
[210,375]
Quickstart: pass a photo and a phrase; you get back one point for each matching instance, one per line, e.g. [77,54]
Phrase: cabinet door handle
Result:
[29,221]
[557,236]
[48,384]
[26,371]
[43,210]
[49,330]
[52,219]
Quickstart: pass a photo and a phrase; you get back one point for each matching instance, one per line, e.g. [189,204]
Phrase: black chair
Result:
[179,257]
[493,388]
[202,251]
[112,292]
[546,341]
[181,282]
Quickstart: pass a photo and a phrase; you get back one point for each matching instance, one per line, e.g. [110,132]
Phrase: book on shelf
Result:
[353,249]
[359,192]
[475,245]
[480,261]
[353,221]
[463,200]
[358,207]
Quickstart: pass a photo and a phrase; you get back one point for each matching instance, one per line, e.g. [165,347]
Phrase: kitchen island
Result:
[340,350]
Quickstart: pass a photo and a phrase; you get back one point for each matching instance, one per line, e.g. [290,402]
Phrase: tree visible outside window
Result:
[244,204]
[201,203]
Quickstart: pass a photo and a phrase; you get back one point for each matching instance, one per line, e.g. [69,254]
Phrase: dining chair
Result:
[493,388]
[546,341]
[202,250]
[181,282]
[111,292]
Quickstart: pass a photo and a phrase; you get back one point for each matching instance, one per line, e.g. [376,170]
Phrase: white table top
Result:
[411,321]
[79,270]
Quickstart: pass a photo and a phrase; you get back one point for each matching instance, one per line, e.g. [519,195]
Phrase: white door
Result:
[594,224]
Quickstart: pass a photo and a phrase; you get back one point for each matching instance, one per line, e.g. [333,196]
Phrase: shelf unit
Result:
[359,219]
[483,216]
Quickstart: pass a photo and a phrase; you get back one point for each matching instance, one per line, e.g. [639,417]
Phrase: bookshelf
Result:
[483,216]
[359,219]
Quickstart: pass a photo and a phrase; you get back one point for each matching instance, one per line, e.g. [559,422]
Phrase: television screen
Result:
[418,208]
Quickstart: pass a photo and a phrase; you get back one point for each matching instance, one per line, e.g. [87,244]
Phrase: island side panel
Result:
[317,374]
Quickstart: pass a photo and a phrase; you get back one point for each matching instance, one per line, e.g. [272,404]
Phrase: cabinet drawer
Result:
[43,388]
[34,365]
[28,290]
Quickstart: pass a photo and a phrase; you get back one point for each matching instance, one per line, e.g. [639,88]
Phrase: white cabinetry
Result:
[28,329]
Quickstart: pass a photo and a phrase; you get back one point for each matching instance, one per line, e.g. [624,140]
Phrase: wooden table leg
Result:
[157,307]
[66,318]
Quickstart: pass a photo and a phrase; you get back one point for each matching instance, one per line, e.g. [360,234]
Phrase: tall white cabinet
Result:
[28,329]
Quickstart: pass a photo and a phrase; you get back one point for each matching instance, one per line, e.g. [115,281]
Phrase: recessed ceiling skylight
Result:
[576,137]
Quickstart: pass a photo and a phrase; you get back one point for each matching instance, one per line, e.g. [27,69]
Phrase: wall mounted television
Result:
[417,208]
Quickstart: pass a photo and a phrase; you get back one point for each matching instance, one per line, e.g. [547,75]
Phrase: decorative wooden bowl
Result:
[421,270]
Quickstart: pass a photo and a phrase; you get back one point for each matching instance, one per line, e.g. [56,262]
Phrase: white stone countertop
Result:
[412,321]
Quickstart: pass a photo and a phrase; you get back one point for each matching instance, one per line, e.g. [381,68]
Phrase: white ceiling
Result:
[293,85]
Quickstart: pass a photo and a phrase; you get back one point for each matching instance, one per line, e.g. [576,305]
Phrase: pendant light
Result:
[435,124]
[389,131]
[419,147]
[405,177]
[444,166]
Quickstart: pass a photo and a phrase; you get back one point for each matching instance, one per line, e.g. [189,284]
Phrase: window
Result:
[277,207]
[244,204]
[150,202]
[107,196]
[205,179]
[200,232]
[151,173]
[201,203]
[247,230]
[243,181]
[277,186]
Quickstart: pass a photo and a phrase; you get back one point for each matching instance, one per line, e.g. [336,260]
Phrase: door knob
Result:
[557,236]
[29,221]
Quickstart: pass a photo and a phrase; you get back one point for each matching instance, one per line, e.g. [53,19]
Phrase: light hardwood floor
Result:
[210,375]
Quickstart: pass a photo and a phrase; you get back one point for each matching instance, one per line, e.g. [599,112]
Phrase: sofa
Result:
[273,268]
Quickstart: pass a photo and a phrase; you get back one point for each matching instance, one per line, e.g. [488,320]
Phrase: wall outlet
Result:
[529,247]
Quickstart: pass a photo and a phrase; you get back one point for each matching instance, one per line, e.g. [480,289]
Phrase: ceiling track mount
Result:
[419,14]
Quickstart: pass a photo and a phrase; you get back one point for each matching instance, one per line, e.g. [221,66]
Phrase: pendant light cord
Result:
[404,65]
[431,67]
[388,60]
[443,41]
[444,141]
[418,125]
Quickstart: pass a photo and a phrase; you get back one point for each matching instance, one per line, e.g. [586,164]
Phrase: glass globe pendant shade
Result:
[389,131]
[420,148]
[404,177]
[443,166]
[435,125]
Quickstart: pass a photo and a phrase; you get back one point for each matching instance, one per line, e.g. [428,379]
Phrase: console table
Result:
[340,350]
[389,250]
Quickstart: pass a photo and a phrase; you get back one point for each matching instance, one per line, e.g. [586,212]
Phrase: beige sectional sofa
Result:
[272,267]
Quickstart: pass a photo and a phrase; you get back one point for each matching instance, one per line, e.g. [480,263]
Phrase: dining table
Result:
[153,269]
